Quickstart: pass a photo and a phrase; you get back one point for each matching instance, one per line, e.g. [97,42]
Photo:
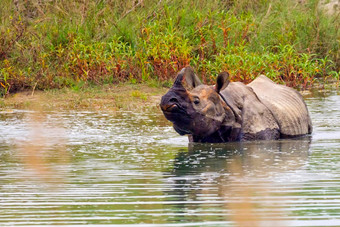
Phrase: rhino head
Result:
[194,108]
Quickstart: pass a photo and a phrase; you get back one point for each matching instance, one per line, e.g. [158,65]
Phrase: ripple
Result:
[89,168]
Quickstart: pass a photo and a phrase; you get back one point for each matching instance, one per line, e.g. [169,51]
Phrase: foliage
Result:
[53,44]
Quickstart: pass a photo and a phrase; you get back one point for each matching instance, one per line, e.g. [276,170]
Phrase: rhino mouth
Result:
[176,114]
[173,109]
[169,108]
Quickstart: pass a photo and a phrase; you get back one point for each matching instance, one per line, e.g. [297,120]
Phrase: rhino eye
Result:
[197,100]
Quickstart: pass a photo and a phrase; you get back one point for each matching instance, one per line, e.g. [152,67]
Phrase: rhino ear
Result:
[191,78]
[222,81]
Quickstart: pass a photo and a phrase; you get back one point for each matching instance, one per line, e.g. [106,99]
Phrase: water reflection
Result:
[132,168]
[235,177]
[215,157]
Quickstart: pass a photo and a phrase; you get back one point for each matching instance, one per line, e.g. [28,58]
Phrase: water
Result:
[77,168]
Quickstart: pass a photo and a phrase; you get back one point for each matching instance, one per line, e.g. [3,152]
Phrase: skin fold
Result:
[233,111]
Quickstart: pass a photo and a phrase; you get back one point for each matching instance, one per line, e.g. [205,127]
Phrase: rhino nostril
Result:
[173,100]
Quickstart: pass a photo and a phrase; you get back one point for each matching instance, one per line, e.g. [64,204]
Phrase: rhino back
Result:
[286,105]
[255,119]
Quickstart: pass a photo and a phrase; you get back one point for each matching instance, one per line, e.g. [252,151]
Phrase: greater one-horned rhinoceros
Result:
[261,110]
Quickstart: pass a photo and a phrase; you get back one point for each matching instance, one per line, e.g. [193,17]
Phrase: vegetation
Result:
[108,98]
[60,43]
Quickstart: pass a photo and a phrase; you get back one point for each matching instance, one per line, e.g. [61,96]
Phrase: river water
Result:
[80,168]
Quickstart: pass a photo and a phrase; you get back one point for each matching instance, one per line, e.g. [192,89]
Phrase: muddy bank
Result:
[108,98]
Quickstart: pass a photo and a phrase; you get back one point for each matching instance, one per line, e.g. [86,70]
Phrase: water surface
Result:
[80,168]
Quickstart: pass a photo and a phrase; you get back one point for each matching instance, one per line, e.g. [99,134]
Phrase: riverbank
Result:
[118,97]
[62,44]
[125,97]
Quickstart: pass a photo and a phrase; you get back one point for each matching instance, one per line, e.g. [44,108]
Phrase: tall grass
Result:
[53,44]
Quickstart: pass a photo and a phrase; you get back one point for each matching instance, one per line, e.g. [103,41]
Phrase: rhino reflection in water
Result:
[253,180]
[261,110]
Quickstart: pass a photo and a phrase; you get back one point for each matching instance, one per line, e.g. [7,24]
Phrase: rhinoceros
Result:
[233,111]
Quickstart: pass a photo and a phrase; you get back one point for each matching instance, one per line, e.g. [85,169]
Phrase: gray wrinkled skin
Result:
[261,110]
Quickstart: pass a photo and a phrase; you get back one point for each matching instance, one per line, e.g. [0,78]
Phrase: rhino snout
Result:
[169,103]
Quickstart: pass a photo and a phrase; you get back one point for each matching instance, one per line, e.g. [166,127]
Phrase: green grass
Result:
[55,44]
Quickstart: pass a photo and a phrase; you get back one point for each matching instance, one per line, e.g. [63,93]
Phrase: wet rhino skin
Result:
[233,111]
[286,105]
[264,111]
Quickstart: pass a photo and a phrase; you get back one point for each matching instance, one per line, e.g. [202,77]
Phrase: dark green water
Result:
[79,168]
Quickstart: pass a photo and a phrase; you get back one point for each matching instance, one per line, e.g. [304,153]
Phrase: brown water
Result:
[78,168]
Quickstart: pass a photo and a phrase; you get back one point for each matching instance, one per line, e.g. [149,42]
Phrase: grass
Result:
[57,44]
[127,97]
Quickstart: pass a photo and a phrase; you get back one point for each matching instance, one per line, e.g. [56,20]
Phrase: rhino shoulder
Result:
[256,120]
[286,104]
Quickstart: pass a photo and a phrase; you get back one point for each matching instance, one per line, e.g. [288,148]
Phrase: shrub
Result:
[53,44]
